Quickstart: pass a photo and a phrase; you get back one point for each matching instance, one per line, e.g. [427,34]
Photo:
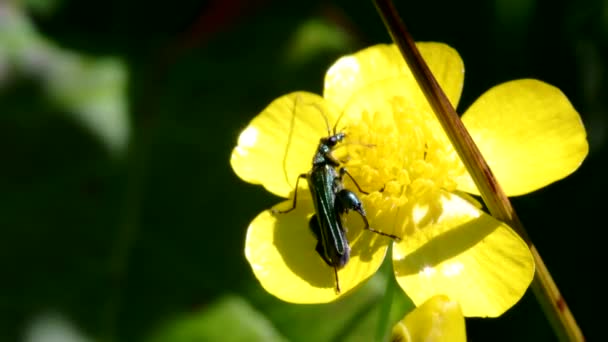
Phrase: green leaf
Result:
[230,318]
[92,90]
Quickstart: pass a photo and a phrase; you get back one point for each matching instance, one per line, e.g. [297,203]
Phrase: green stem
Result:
[384,323]
[349,326]
[386,302]
[498,204]
[126,234]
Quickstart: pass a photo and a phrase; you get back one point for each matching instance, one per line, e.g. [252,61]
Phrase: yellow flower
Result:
[438,319]
[397,152]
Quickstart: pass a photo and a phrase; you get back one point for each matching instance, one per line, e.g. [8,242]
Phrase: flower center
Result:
[404,160]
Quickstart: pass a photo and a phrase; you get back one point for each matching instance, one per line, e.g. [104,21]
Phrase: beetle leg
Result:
[295,197]
[347,200]
[343,172]
[337,281]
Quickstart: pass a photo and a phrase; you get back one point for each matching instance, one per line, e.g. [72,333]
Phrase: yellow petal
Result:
[438,319]
[279,143]
[380,62]
[468,256]
[281,251]
[528,132]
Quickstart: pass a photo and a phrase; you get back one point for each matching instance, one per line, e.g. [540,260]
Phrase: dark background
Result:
[125,245]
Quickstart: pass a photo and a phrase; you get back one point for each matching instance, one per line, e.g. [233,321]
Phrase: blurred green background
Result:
[120,217]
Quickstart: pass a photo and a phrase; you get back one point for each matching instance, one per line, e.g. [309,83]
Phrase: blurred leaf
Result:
[42,7]
[52,327]
[92,90]
[230,318]
[515,14]
[352,318]
[313,38]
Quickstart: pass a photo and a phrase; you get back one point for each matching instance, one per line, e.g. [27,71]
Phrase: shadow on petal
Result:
[468,256]
[296,245]
[447,245]
[364,244]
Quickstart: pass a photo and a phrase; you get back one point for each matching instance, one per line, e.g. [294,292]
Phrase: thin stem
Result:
[127,232]
[384,319]
[355,319]
[387,302]
[498,204]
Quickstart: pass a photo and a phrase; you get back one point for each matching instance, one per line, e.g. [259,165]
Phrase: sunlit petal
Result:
[468,256]
[380,62]
[281,251]
[528,132]
[438,319]
[279,143]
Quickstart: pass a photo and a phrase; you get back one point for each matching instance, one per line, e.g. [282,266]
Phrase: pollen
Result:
[404,159]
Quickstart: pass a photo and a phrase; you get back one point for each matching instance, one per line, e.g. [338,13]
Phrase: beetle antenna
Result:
[316,105]
[345,144]
[338,121]
[289,138]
